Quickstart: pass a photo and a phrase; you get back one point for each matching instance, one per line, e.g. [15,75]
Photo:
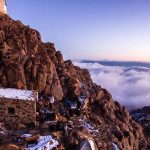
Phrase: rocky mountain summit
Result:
[81,109]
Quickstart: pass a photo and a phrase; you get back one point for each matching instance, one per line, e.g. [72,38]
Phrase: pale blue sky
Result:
[90,29]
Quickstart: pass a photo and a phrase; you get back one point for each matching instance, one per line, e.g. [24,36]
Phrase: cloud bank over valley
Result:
[128,85]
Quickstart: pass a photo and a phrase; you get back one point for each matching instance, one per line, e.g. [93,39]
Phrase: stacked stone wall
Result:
[24,111]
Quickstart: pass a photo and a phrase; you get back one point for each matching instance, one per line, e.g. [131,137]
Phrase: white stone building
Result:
[3,8]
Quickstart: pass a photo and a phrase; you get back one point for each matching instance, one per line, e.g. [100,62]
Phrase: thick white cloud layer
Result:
[128,85]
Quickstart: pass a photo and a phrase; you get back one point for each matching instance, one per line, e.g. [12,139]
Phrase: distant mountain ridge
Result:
[119,63]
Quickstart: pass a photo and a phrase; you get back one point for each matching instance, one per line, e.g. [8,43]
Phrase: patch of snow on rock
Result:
[44,142]
[26,135]
[115,146]
[17,94]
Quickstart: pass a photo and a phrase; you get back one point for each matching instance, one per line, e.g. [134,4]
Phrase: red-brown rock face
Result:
[25,61]
[28,63]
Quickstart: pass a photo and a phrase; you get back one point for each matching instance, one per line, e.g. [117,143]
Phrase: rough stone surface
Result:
[28,63]
[24,112]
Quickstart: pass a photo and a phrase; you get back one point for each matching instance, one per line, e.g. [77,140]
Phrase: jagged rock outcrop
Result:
[28,63]
[25,62]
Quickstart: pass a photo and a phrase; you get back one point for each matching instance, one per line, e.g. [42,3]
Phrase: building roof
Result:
[18,94]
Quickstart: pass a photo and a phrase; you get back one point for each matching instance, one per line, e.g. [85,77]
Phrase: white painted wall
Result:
[3,8]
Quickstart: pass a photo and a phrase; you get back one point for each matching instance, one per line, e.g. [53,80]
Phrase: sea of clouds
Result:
[128,85]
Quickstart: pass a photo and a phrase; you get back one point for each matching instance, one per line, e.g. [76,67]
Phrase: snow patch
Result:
[17,94]
[26,135]
[115,146]
[44,142]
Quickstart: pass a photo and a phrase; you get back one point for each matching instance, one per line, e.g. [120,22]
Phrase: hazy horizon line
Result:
[111,60]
